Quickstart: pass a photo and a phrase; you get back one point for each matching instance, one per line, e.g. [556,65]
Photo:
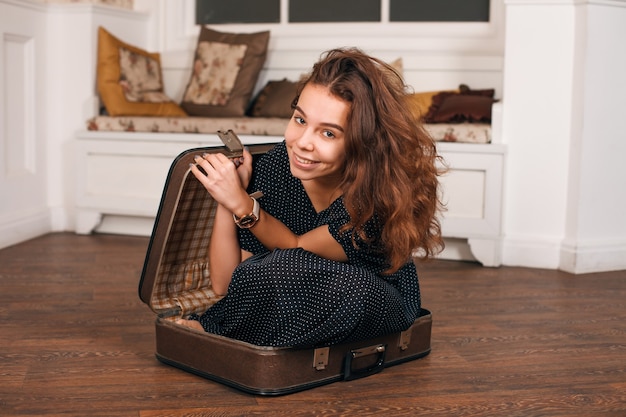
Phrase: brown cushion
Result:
[129,80]
[419,103]
[464,89]
[275,99]
[225,70]
[465,106]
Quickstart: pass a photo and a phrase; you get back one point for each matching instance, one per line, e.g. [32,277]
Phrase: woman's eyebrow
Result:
[300,110]
[333,125]
[338,127]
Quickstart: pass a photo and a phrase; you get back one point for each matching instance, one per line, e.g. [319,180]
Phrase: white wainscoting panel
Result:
[23,202]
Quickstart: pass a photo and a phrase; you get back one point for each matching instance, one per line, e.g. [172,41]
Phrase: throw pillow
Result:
[275,99]
[225,70]
[129,80]
[419,103]
[465,106]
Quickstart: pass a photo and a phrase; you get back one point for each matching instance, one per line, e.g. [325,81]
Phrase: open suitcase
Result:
[175,282]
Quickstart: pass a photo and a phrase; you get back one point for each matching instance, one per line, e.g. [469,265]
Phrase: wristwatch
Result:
[249,220]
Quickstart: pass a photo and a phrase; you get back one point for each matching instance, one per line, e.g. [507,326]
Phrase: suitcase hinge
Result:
[405,339]
[320,358]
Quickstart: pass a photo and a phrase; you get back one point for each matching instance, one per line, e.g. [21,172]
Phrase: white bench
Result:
[122,175]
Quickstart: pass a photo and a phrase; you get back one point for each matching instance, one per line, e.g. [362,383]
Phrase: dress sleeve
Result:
[365,254]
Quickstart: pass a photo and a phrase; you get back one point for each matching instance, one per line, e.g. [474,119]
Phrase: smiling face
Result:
[315,136]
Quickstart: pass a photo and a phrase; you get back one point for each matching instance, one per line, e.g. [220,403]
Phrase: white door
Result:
[23,200]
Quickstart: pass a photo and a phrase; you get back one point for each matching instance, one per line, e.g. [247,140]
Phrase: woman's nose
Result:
[305,140]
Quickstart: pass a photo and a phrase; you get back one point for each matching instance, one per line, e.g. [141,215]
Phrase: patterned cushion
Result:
[225,71]
[129,80]
[441,132]
[140,77]
[264,126]
[214,73]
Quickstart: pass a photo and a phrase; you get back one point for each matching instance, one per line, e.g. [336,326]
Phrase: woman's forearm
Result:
[273,234]
[224,250]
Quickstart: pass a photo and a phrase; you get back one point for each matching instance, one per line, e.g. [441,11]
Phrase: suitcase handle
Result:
[350,374]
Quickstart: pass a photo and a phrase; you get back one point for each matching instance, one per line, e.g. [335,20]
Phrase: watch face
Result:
[247,221]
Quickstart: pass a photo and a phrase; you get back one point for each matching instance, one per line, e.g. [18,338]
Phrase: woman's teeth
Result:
[303,161]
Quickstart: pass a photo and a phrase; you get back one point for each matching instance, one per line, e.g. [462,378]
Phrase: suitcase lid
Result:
[175,276]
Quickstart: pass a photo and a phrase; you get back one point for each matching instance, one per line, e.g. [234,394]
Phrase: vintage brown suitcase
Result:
[175,282]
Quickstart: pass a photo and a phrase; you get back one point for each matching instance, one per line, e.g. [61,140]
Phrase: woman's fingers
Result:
[220,176]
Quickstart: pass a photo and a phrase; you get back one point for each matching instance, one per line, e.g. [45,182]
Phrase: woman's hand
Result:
[244,167]
[225,179]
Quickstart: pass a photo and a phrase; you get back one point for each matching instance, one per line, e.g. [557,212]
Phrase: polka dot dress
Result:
[292,297]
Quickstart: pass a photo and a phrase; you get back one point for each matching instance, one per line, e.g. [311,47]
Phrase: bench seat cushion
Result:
[264,126]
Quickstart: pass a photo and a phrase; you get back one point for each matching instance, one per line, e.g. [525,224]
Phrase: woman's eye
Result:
[329,134]
[299,120]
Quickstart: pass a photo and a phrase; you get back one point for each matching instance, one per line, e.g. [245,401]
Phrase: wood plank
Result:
[76,340]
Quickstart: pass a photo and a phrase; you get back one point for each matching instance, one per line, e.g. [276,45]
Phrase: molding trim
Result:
[26,4]
[78,8]
[593,256]
[531,252]
[597,255]
[611,3]
[16,229]
[100,9]
[545,2]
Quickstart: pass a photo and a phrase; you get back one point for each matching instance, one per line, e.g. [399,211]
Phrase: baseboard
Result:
[591,256]
[581,257]
[126,225]
[16,228]
[532,253]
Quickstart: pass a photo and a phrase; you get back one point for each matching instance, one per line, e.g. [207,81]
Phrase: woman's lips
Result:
[303,161]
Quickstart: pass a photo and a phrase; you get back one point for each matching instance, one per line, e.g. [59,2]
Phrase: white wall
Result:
[595,237]
[564,99]
[536,128]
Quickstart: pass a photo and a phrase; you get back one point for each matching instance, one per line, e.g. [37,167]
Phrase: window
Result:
[237,11]
[306,11]
[439,10]
[334,11]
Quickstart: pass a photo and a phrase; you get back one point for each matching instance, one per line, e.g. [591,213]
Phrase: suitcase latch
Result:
[405,339]
[320,358]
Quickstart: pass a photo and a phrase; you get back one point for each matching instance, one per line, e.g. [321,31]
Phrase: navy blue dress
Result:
[292,297]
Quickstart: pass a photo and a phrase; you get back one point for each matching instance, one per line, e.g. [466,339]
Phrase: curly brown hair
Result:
[391,167]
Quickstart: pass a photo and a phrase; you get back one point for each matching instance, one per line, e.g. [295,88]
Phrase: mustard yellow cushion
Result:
[129,80]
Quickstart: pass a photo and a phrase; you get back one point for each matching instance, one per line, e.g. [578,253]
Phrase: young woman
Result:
[325,255]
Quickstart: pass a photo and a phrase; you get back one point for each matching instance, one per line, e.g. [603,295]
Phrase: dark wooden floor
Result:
[76,341]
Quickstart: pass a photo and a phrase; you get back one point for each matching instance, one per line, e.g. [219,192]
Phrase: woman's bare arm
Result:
[224,250]
[273,234]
